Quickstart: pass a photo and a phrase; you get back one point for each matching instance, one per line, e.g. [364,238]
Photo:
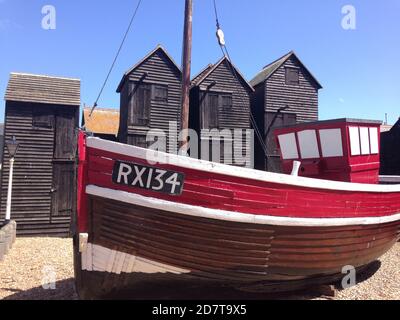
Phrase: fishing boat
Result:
[147,219]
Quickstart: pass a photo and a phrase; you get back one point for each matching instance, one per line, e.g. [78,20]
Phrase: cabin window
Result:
[373,136]
[42,118]
[331,143]
[354,141]
[292,76]
[364,141]
[160,93]
[140,111]
[364,137]
[227,102]
[288,146]
[308,144]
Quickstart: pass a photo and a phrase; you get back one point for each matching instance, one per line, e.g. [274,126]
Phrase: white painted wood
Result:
[374,140]
[331,142]
[125,265]
[84,260]
[354,141]
[9,191]
[83,241]
[131,264]
[110,260]
[122,262]
[308,144]
[296,168]
[288,145]
[364,138]
[186,162]
[89,262]
[119,262]
[197,211]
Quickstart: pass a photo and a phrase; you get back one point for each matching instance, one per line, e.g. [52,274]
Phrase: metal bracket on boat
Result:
[83,242]
[296,168]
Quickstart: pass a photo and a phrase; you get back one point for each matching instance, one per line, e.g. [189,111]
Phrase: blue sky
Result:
[358,69]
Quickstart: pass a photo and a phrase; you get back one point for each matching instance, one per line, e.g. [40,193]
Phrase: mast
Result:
[186,66]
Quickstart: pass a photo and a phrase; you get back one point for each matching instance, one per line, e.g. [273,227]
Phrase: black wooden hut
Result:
[150,99]
[220,99]
[285,93]
[42,113]
[390,151]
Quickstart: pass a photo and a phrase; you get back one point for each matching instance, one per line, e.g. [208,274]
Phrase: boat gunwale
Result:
[239,172]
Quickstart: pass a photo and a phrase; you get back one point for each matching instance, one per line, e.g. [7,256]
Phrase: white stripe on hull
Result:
[196,211]
[101,259]
[211,167]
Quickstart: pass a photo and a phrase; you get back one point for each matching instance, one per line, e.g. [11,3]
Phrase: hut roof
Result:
[158,48]
[271,68]
[102,121]
[198,79]
[23,87]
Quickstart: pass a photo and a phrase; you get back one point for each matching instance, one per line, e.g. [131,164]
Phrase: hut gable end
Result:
[300,97]
[220,80]
[220,99]
[150,97]
[288,87]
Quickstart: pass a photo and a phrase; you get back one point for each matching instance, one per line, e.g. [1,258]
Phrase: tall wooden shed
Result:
[42,114]
[286,93]
[220,99]
[150,99]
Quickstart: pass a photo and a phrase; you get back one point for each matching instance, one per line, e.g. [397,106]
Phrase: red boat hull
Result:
[224,229]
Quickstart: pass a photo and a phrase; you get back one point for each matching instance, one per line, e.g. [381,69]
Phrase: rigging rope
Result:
[116,57]
[225,53]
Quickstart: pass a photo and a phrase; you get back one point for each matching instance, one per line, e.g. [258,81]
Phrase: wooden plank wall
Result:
[33,173]
[160,70]
[302,98]
[238,117]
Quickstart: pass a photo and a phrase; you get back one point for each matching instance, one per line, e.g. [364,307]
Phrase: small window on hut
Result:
[42,118]
[227,102]
[160,93]
[140,111]
[292,76]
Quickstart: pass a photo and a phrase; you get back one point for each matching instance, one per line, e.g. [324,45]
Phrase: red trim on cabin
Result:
[82,213]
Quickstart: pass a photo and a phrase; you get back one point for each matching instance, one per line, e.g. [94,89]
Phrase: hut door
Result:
[209,113]
[62,191]
[65,143]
